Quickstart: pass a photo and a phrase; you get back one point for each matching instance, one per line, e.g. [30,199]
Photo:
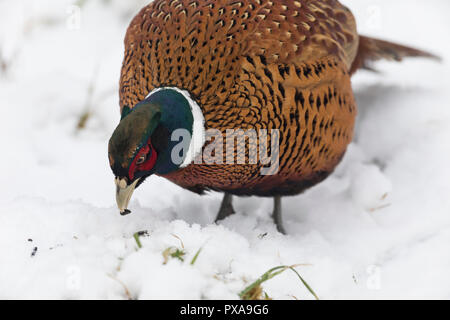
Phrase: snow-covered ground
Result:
[378,228]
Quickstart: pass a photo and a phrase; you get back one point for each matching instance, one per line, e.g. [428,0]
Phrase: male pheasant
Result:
[279,66]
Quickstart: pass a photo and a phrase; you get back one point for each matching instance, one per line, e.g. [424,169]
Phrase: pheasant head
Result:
[144,143]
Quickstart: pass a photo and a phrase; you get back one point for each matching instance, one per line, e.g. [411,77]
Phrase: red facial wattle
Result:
[149,163]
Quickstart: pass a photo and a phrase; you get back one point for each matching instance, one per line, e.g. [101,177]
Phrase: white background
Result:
[378,228]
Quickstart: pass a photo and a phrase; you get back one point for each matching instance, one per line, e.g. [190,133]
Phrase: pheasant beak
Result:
[123,194]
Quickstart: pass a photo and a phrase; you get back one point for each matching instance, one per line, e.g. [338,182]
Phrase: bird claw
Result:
[125,213]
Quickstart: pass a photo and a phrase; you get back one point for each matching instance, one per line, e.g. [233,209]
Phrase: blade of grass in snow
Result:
[254,290]
[138,241]
[305,283]
[137,236]
[196,256]
[173,253]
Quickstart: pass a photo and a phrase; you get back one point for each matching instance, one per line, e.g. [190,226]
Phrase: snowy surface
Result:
[378,228]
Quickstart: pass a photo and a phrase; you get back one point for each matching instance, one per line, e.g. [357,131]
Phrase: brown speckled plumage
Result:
[253,64]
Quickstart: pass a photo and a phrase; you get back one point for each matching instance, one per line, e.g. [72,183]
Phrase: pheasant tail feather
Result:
[371,49]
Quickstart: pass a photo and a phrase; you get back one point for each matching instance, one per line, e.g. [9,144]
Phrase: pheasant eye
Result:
[141,160]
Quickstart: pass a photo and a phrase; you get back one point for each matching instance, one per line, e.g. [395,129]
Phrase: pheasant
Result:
[273,66]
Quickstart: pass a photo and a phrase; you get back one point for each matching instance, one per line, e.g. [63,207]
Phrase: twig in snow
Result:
[384,206]
[127,292]
[181,241]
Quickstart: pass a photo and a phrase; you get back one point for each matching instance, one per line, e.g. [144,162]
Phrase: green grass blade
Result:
[246,294]
[138,241]
[196,256]
[305,283]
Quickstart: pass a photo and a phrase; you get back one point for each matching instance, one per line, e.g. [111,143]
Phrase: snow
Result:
[378,228]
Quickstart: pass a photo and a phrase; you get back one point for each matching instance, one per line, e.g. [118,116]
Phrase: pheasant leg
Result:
[226,208]
[276,215]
